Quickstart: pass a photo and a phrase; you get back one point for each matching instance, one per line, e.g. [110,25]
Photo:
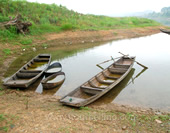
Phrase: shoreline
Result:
[75,37]
[44,113]
[71,38]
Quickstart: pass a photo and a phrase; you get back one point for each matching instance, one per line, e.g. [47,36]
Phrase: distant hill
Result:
[137,14]
[161,17]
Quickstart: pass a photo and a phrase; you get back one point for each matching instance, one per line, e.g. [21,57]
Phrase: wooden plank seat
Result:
[95,86]
[41,60]
[30,71]
[103,81]
[91,90]
[109,77]
[117,65]
[26,75]
[117,70]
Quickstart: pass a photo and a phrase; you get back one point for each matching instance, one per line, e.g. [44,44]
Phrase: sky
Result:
[109,7]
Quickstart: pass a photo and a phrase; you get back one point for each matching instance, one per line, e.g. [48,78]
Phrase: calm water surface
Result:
[150,88]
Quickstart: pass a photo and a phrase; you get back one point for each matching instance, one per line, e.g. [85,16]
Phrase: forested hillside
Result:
[162,17]
[54,18]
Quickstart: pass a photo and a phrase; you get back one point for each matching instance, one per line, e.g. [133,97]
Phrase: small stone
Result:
[158,121]
[70,43]
[123,105]
[45,47]
[34,49]
[151,108]
[158,113]
[124,127]
[92,40]
[23,49]
[143,110]
[82,41]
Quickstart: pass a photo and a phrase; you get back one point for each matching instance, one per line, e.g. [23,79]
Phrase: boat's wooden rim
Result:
[64,100]
[23,69]
[52,76]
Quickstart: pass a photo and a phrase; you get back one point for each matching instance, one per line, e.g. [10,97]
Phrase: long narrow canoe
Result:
[30,72]
[165,31]
[99,84]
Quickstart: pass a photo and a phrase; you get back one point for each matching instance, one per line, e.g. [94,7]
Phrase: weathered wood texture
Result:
[100,84]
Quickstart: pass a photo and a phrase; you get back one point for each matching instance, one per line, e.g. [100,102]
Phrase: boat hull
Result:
[52,85]
[91,91]
[28,74]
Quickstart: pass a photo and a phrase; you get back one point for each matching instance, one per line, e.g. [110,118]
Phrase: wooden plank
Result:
[103,82]
[117,70]
[72,100]
[91,90]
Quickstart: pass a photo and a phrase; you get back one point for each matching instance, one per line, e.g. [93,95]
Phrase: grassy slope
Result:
[54,18]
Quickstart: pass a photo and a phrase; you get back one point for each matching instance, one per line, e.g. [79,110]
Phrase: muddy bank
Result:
[75,37]
[31,112]
[71,38]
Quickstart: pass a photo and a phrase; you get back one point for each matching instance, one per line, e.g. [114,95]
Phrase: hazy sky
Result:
[109,7]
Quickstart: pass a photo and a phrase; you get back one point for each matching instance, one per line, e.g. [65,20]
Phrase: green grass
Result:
[3,119]
[53,18]
[26,41]
[85,108]
[7,51]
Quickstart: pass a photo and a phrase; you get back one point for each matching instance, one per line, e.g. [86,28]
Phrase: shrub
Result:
[67,27]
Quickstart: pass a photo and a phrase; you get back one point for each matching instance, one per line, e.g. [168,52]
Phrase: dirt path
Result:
[29,112]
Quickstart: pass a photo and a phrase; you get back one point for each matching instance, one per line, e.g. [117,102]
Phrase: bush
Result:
[67,27]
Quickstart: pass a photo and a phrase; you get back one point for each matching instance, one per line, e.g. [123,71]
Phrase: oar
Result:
[135,61]
[112,59]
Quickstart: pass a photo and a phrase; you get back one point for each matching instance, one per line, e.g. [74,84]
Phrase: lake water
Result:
[150,89]
[147,88]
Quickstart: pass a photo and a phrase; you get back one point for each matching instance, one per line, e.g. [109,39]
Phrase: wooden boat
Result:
[53,68]
[53,80]
[99,84]
[165,31]
[30,72]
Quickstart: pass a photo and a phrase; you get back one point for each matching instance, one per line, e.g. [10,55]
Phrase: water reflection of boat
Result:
[165,31]
[99,84]
[109,97]
[30,72]
[53,80]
